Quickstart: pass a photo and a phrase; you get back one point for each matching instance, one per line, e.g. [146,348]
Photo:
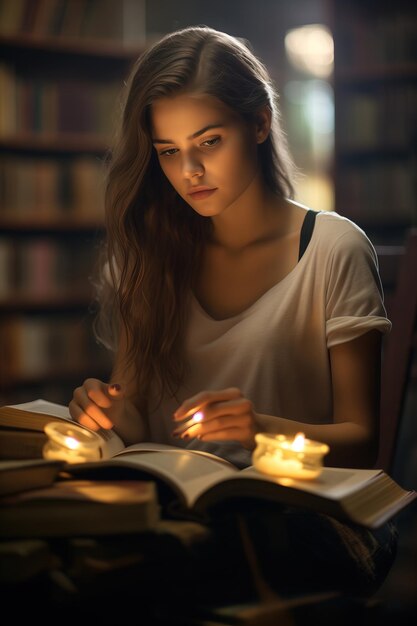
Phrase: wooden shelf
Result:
[53,223]
[65,301]
[348,76]
[378,153]
[54,376]
[98,49]
[64,143]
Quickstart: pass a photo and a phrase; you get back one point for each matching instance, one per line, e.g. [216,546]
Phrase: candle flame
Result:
[298,443]
[72,443]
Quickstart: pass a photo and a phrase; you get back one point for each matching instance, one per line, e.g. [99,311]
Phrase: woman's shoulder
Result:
[339,242]
[330,225]
[331,222]
[336,231]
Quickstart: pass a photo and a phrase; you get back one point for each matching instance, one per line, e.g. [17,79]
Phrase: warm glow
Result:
[310,49]
[197,417]
[298,443]
[289,457]
[72,443]
[316,191]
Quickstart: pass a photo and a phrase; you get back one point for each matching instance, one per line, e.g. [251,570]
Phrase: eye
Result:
[168,152]
[211,142]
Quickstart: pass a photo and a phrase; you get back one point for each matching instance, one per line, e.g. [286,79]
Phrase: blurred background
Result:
[346,76]
[62,67]
[346,72]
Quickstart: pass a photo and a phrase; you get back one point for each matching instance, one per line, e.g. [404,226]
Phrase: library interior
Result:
[346,74]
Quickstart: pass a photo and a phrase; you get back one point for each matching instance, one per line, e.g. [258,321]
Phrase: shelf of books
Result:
[375,86]
[62,68]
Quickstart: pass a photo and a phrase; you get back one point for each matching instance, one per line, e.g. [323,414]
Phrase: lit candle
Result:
[190,421]
[71,443]
[290,457]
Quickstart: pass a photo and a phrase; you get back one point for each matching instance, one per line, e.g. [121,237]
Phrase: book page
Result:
[334,483]
[110,444]
[185,471]
[45,407]
[151,446]
[192,473]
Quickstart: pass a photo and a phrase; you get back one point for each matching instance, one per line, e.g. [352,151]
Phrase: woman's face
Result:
[207,152]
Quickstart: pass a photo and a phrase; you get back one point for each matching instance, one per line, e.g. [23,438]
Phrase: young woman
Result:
[220,294]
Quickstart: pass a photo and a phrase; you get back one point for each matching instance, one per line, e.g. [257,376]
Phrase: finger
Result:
[84,408]
[83,418]
[209,419]
[212,412]
[227,434]
[240,406]
[115,391]
[194,419]
[242,422]
[97,391]
[204,398]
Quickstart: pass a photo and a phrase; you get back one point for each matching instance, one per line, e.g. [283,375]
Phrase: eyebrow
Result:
[193,136]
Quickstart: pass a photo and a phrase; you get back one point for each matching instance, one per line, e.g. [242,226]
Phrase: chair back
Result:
[398,270]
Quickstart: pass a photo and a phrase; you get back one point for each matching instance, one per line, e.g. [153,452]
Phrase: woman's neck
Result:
[256,219]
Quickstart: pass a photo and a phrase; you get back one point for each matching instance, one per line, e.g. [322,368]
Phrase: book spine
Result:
[39,188]
[34,348]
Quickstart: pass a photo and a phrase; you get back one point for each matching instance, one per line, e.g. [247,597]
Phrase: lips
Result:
[199,193]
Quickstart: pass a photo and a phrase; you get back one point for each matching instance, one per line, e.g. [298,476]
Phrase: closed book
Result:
[23,475]
[80,508]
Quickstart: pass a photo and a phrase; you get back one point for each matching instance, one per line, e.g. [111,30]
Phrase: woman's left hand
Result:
[221,415]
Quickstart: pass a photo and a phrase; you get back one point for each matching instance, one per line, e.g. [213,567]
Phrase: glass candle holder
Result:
[289,457]
[71,443]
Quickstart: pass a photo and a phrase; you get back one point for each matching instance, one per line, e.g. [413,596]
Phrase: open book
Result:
[22,433]
[198,482]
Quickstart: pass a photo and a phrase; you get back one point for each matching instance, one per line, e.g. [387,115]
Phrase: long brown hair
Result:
[154,238]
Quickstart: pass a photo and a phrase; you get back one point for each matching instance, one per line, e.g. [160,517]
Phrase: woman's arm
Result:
[353,433]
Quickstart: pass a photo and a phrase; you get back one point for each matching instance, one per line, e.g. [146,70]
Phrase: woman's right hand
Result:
[97,404]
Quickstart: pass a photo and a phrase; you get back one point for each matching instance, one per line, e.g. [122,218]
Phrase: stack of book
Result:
[154,479]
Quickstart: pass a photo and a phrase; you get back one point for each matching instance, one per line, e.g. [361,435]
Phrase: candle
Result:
[190,421]
[290,457]
[71,443]
[197,417]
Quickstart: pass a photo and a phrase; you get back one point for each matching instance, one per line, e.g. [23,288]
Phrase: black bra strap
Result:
[306,231]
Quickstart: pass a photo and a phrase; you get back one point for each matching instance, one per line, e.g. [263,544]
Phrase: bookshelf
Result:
[62,66]
[375,85]
[375,91]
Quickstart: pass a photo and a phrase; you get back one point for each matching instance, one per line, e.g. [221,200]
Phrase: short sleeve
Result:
[354,295]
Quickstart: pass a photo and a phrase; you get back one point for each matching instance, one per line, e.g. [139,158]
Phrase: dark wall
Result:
[262,22]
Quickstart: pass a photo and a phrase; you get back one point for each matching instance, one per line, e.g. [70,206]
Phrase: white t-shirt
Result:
[276,351]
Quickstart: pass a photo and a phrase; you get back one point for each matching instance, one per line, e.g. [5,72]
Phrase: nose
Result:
[192,167]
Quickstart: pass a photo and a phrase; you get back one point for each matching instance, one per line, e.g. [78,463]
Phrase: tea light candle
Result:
[290,457]
[71,443]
